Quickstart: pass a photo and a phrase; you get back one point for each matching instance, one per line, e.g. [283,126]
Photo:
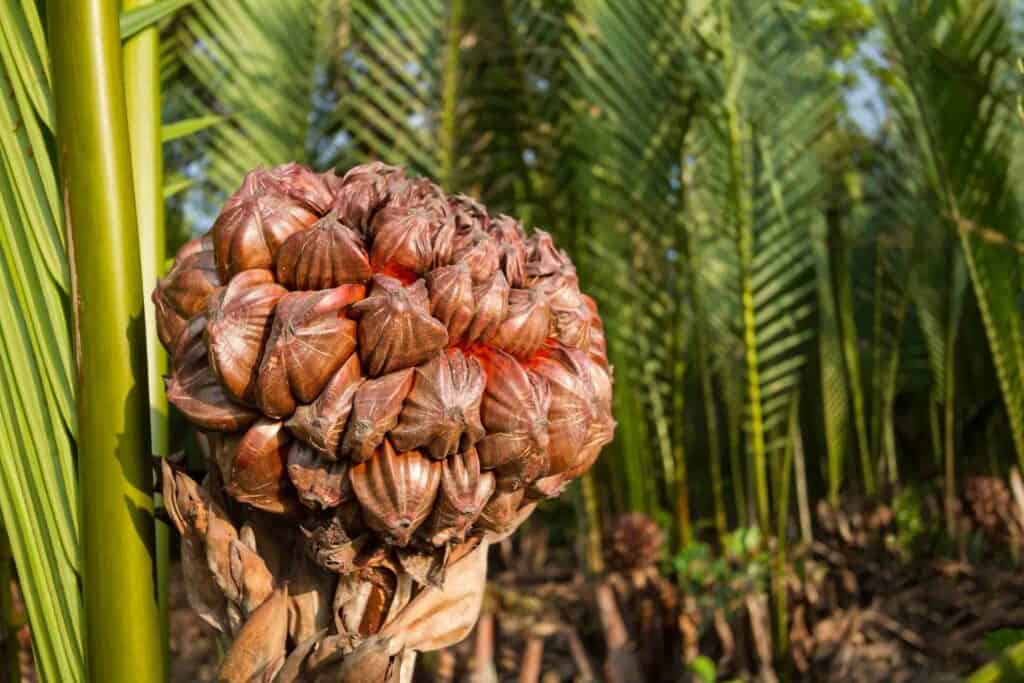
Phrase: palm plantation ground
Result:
[802,226]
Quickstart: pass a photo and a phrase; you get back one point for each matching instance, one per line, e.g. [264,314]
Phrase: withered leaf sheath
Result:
[375,410]
[319,482]
[255,475]
[501,511]
[527,325]
[334,540]
[442,411]
[396,330]
[572,404]
[311,338]
[321,424]
[193,387]
[254,224]
[396,491]
[183,292]
[260,643]
[325,256]
[514,412]
[464,492]
[239,318]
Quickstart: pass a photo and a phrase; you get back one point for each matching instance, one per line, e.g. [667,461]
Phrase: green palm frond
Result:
[257,62]
[962,127]
[762,193]
[441,85]
[632,104]
[38,495]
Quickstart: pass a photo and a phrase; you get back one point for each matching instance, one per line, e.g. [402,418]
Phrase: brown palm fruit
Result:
[634,542]
[193,388]
[527,324]
[327,255]
[465,489]
[514,412]
[396,330]
[386,379]
[441,413]
[397,491]
[375,410]
[254,224]
[300,183]
[311,338]
[238,323]
[321,424]
[361,192]
[182,294]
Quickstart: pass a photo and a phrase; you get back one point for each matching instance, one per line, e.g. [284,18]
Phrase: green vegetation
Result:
[804,299]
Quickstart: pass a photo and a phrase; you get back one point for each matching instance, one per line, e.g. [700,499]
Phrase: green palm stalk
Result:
[121,619]
[142,100]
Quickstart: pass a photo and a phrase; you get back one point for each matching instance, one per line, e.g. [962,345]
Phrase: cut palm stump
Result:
[385,380]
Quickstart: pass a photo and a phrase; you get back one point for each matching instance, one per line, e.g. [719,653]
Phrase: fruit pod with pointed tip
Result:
[388,380]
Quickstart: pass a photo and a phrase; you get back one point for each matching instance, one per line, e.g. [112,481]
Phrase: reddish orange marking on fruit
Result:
[407,276]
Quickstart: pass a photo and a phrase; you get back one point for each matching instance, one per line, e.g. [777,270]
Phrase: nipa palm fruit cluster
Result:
[382,376]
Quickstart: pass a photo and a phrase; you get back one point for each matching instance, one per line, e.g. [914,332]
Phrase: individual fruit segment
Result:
[396,330]
[509,235]
[182,294]
[514,411]
[239,318]
[478,250]
[321,424]
[362,191]
[465,489]
[404,236]
[527,324]
[491,299]
[300,183]
[571,409]
[442,411]
[327,255]
[253,470]
[375,410]
[451,298]
[396,491]
[543,258]
[193,388]
[310,339]
[319,482]
[255,222]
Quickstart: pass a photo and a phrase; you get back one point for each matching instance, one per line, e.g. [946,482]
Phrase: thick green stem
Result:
[121,613]
[142,101]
